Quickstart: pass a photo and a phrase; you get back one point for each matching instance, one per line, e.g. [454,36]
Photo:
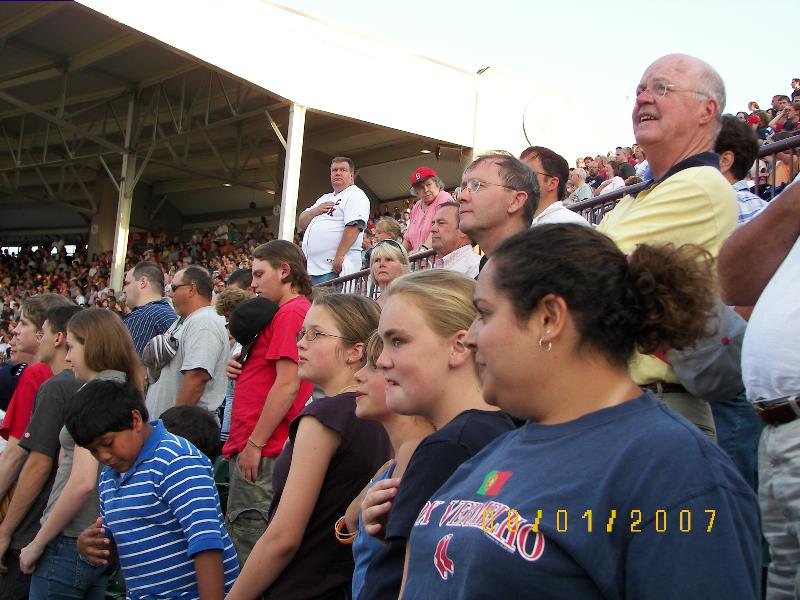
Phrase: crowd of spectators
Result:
[311,389]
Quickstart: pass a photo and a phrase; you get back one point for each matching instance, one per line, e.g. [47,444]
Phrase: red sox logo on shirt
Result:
[441,561]
[332,208]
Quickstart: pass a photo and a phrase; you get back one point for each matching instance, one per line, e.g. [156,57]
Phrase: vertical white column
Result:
[126,185]
[291,172]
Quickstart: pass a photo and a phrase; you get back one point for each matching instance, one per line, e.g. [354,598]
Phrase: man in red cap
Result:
[429,191]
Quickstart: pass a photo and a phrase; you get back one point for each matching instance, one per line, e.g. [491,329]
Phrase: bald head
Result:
[678,111]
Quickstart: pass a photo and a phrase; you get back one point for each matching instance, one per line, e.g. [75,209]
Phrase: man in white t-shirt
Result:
[334,225]
[758,265]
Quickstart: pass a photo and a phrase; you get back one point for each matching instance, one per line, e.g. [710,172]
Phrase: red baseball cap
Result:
[421,175]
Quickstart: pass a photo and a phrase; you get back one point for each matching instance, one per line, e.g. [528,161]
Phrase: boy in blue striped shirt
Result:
[158,502]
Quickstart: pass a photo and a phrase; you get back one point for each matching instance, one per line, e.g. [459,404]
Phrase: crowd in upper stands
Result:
[572,412]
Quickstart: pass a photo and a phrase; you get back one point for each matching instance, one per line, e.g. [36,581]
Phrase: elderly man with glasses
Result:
[676,118]
[552,172]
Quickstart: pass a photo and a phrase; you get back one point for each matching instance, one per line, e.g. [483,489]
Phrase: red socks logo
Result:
[441,561]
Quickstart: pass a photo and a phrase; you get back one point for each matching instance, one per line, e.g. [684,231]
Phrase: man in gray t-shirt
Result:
[196,374]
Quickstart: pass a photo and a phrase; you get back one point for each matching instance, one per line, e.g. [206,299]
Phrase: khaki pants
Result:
[693,409]
[248,506]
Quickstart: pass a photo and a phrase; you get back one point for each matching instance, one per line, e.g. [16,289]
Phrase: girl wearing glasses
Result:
[328,458]
[430,373]
[388,261]
[604,492]
[99,347]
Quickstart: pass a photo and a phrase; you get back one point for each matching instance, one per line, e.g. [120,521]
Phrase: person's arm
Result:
[349,236]
[12,458]
[752,254]
[31,481]
[279,400]
[192,387]
[308,214]
[210,577]
[314,447]
[602,186]
[80,487]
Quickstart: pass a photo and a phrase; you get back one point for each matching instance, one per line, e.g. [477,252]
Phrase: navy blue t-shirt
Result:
[626,502]
[436,458]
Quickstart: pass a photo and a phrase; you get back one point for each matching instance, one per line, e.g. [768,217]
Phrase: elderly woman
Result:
[388,261]
[428,188]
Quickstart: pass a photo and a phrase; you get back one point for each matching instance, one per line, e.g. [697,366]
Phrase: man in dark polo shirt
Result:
[152,314]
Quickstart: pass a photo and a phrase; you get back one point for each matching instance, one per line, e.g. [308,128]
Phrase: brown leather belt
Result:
[780,411]
[662,387]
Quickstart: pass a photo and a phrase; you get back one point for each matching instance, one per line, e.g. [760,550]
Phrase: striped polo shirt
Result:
[161,513]
[149,320]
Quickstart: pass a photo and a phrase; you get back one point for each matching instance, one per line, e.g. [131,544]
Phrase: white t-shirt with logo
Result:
[324,232]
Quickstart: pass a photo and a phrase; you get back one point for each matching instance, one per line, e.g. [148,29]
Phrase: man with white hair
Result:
[676,118]
[583,191]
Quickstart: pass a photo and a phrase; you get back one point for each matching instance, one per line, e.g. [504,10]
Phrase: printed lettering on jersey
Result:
[500,523]
[332,208]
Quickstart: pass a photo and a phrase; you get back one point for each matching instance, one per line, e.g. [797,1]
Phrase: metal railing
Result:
[594,209]
[359,283]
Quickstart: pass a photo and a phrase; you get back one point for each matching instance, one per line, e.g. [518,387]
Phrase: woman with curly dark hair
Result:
[605,492]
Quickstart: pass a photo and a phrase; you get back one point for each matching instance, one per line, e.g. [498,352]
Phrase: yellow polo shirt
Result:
[693,205]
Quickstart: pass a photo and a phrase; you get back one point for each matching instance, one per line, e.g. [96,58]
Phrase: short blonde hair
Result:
[389,225]
[387,250]
[445,298]
[228,299]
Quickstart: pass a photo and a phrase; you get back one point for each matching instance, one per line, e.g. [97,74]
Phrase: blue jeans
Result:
[738,432]
[317,279]
[62,573]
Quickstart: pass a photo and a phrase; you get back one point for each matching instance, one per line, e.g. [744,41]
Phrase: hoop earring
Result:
[542,346]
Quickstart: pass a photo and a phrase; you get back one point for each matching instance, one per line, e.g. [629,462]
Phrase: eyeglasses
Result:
[390,242]
[312,334]
[174,288]
[659,89]
[473,185]
[543,174]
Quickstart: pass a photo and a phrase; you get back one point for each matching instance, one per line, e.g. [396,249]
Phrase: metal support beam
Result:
[291,172]
[28,18]
[61,122]
[127,183]
[277,129]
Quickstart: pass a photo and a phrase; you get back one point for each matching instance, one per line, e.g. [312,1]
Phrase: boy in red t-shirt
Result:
[268,392]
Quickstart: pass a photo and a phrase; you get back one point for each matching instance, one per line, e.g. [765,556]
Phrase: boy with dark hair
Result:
[195,424]
[737,146]
[158,500]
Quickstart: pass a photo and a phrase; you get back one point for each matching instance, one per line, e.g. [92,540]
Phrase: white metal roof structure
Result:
[175,114]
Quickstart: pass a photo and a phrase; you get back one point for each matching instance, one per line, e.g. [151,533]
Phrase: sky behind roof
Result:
[591,50]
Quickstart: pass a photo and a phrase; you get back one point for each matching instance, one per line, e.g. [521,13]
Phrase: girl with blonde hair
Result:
[430,372]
